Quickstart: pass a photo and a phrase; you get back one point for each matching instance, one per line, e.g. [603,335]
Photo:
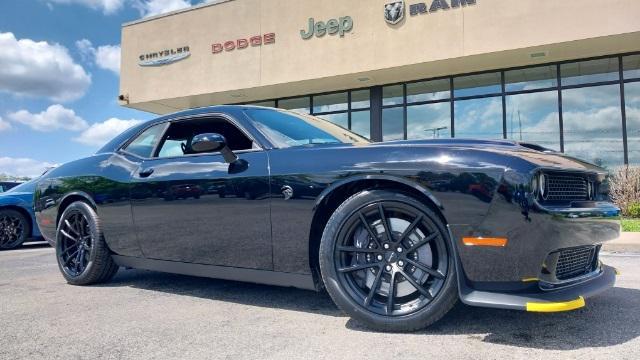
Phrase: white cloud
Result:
[155,7]
[106,57]
[86,49]
[20,167]
[4,125]
[106,6]
[100,133]
[54,118]
[40,69]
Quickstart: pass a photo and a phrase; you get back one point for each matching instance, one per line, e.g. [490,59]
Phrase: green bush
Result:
[624,186]
[634,210]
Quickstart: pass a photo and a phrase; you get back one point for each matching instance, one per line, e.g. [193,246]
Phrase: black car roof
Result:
[113,145]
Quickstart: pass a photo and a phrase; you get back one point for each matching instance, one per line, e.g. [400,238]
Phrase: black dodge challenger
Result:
[396,232]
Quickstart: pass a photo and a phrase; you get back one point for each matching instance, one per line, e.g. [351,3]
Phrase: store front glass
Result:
[574,107]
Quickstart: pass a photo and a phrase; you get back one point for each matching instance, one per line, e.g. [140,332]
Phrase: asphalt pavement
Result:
[151,315]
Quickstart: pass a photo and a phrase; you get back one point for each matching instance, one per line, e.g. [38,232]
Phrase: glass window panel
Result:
[531,78]
[631,66]
[480,84]
[632,102]
[270,103]
[392,124]
[361,123]
[589,71]
[360,99]
[534,118]
[300,104]
[479,118]
[330,102]
[429,121]
[392,95]
[428,90]
[593,124]
[143,145]
[341,119]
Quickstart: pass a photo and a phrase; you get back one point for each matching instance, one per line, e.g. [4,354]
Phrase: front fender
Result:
[368,177]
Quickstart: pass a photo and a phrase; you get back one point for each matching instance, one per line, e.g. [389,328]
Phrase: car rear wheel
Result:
[385,260]
[83,256]
[14,229]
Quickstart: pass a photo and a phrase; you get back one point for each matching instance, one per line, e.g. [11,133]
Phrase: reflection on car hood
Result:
[527,152]
[12,196]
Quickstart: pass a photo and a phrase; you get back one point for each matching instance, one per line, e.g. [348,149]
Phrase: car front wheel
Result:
[83,256]
[385,260]
[14,229]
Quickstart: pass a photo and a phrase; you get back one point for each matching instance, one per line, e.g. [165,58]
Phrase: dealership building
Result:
[562,74]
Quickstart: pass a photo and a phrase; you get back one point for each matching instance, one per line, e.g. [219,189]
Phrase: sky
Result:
[59,78]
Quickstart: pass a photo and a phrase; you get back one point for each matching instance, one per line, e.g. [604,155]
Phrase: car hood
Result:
[531,153]
[16,198]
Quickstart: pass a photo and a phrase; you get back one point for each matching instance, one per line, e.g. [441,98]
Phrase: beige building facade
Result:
[563,74]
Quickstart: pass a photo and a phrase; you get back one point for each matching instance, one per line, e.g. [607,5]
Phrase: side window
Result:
[144,143]
[177,140]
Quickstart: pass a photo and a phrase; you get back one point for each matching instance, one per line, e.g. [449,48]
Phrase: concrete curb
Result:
[627,242]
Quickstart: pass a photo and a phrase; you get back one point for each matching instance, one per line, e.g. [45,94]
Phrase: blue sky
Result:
[55,107]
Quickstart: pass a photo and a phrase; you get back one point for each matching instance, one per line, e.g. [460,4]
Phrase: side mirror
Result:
[211,142]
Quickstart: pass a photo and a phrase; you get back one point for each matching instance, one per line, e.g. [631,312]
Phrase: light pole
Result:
[436,131]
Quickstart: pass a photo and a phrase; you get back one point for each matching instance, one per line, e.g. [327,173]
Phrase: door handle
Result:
[145,172]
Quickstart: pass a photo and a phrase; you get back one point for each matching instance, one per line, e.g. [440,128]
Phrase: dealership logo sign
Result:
[425,8]
[338,26]
[394,12]
[241,44]
[164,57]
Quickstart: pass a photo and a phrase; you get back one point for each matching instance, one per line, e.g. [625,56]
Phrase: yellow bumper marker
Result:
[530,279]
[556,306]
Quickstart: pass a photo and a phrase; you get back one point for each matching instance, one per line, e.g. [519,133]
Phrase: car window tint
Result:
[177,140]
[144,143]
[288,129]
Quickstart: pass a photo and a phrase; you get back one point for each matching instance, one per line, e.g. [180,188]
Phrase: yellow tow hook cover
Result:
[556,306]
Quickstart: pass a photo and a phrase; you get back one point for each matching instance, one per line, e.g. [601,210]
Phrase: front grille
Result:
[565,188]
[576,262]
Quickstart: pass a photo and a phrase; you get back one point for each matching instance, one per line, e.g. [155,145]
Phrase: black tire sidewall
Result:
[442,303]
[96,233]
[25,223]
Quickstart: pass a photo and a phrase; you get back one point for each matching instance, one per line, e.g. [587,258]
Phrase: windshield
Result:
[288,129]
[27,187]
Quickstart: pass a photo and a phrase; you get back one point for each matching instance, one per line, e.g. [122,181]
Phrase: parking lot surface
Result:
[151,315]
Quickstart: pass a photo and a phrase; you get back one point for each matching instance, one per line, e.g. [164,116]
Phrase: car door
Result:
[197,208]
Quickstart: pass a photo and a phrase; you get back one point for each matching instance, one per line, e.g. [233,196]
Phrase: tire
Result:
[82,254]
[348,243]
[14,229]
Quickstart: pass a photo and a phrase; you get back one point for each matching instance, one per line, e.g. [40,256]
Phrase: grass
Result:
[631,225]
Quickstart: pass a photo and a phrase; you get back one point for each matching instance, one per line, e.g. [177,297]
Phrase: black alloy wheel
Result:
[83,256]
[76,243]
[385,260]
[14,229]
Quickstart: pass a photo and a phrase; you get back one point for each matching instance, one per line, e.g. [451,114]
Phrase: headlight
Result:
[542,184]
[534,185]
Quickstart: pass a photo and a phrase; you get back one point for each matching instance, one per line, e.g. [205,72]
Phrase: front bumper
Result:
[565,299]
[533,234]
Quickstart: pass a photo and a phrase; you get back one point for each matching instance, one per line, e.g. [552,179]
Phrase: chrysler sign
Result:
[164,57]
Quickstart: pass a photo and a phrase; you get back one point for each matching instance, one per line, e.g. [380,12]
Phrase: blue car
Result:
[17,221]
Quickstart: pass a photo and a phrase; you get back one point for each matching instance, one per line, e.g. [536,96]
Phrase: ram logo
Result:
[394,12]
